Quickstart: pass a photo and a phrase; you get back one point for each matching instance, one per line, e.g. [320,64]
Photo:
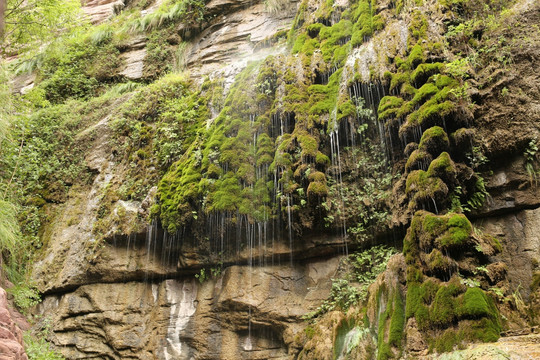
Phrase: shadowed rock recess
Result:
[311,179]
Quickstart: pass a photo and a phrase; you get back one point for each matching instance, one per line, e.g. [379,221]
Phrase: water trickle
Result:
[181,296]
[336,166]
[248,346]
[435,205]
[151,243]
[289,226]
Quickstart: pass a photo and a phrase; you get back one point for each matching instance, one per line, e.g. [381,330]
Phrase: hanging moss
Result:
[443,308]
[389,107]
[317,189]
[330,37]
[438,264]
[448,313]
[345,110]
[397,321]
[423,189]
[322,159]
[433,110]
[418,27]
[366,21]
[458,231]
[323,98]
[222,166]
[391,325]
[308,144]
[416,56]
[446,341]
[424,71]
[305,45]
[313,30]
[399,80]
[463,138]
[317,176]
[475,303]
[423,94]
[418,160]
[419,297]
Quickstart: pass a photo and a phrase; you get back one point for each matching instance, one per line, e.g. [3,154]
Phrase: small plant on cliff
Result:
[40,349]
[342,296]
[9,229]
[202,276]
[37,347]
[25,296]
[368,264]
[530,154]
[477,158]
[364,267]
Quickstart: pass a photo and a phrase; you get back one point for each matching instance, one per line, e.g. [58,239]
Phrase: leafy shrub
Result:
[25,296]
[37,348]
[348,291]
[368,264]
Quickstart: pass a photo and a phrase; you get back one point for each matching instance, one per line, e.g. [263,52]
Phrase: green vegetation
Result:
[292,140]
[36,345]
[431,247]
[530,155]
[29,24]
[368,264]
[363,268]
[39,349]
[391,325]
[187,11]
[9,229]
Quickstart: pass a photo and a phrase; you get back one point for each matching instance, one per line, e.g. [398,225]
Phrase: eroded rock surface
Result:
[11,342]
[120,300]
[519,235]
[100,10]
[244,313]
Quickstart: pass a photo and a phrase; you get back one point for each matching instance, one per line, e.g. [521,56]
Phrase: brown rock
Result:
[100,10]
[521,247]
[415,343]
[11,343]
[247,312]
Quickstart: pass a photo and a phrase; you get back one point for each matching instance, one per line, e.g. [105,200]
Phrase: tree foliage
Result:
[31,23]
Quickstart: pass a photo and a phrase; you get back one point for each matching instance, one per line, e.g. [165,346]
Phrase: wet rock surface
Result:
[244,313]
[237,35]
[521,243]
[121,299]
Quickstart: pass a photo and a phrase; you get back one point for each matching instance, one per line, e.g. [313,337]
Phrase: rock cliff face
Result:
[245,313]
[11,339]
[116,285]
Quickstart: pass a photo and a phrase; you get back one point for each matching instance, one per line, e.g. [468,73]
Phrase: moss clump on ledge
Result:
[434,140]
[446,232]
[424,190]
[418,160]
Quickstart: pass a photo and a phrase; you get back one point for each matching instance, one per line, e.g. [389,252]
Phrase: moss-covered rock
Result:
[434,141]
[424,190]
[446,311]
[444,168]
[418,160]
